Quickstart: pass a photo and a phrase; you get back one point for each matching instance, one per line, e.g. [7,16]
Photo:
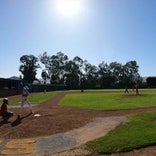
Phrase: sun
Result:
[68,8]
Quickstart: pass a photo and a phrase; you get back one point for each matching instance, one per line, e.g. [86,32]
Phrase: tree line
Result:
[151,82]
[79,73]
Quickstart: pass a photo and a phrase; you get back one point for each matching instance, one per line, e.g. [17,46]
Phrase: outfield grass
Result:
[35,98]
[110,101]
[137,133]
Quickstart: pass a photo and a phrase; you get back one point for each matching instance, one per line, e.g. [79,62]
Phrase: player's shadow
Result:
[19,120]
[4,121]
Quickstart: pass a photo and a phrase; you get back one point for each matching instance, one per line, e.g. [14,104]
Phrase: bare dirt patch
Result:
[133,95]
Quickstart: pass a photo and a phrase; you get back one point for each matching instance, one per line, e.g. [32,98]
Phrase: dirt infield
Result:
[54,119]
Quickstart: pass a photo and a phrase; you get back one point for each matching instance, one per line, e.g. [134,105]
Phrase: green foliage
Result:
[138,132]
[28,67]
[151,81]
[79,73]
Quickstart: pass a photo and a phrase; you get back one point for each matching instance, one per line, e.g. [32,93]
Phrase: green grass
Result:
[35,98]
[137,133]
[97,90]
[110,101]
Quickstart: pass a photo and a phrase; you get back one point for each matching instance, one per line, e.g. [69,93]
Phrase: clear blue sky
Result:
[101,30]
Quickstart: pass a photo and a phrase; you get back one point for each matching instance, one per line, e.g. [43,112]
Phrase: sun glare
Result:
[68,8]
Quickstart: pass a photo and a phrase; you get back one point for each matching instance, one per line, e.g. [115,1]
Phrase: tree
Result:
[106,79]
[28,67]
[116,71]
[151,81]
[130,75]
[81,72]
[63,60]
[44,76]
[54,66]
[45,59]
[91,74]
[71,76]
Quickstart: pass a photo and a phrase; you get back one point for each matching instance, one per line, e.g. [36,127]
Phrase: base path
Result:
[60,142]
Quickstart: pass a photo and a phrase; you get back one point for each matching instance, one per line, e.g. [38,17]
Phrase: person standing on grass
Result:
[126,90]
[25,94]
[137,91]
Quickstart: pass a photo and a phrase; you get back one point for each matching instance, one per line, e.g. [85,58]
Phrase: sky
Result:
[95,30]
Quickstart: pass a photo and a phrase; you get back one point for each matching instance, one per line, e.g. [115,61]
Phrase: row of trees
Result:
[79,73]
[151,82]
